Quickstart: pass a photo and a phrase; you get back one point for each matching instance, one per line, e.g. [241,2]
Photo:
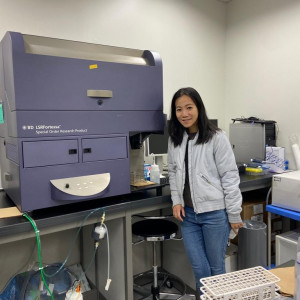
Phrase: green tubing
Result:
[43,273]
[39,251]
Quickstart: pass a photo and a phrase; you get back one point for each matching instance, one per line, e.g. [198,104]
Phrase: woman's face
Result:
[187,113]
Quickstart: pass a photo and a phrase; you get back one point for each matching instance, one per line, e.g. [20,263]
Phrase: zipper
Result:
[210,183]
[183,180]
[190,181]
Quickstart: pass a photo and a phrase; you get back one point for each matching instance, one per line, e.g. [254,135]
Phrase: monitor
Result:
[214,121]
[157,144]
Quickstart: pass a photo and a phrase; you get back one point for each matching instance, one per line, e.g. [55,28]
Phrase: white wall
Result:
[263,64]
[189,35]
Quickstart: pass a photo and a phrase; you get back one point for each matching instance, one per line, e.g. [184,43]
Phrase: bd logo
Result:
[27,127]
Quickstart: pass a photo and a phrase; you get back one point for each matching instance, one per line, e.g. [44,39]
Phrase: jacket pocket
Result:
[207,189]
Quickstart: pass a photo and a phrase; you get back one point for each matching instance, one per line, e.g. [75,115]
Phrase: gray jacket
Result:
[213,175]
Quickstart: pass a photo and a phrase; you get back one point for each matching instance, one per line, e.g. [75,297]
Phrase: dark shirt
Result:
[186,191]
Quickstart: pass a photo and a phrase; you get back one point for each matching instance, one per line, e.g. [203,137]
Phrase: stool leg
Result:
[155,288]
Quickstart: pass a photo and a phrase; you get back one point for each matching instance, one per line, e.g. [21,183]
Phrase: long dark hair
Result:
[206,128]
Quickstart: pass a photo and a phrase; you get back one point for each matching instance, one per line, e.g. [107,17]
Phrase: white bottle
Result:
[155,174]
[295,148]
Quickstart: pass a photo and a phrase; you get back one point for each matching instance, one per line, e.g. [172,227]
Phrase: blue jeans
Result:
[205,238]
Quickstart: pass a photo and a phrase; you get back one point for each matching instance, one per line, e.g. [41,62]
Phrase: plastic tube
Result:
[108,261]
[39,251]
[74,240]
[43,273]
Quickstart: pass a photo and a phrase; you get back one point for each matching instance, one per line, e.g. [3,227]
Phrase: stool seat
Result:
[155,228]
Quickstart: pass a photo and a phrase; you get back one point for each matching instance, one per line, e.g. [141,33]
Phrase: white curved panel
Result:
[83,185]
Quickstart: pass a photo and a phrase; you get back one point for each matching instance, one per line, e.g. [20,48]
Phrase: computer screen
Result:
[214,121]
[157,144]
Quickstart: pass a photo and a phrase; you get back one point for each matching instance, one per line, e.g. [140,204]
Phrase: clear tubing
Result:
[74,240]
[43,273]
[39,251]
[108,258]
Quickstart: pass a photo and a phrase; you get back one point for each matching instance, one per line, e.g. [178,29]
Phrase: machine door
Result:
[48,153]
[96,149]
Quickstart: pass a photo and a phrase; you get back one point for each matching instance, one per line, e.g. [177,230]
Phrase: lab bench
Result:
[119,211]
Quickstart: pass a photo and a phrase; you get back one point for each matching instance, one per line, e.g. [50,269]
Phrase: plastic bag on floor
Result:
[30,286]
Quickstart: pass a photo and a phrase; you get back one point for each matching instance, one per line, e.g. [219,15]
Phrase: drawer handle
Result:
[87,150]
[99,93]
[72,151]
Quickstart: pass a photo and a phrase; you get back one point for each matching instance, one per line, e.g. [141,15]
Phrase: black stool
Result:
[157,229]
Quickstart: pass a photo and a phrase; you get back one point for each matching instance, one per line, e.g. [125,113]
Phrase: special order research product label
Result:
[52,129]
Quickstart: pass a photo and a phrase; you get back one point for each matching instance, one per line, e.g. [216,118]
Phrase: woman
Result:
[204,183]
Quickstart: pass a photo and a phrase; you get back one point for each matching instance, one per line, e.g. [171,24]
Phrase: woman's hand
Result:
[178,212]
[236,226]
